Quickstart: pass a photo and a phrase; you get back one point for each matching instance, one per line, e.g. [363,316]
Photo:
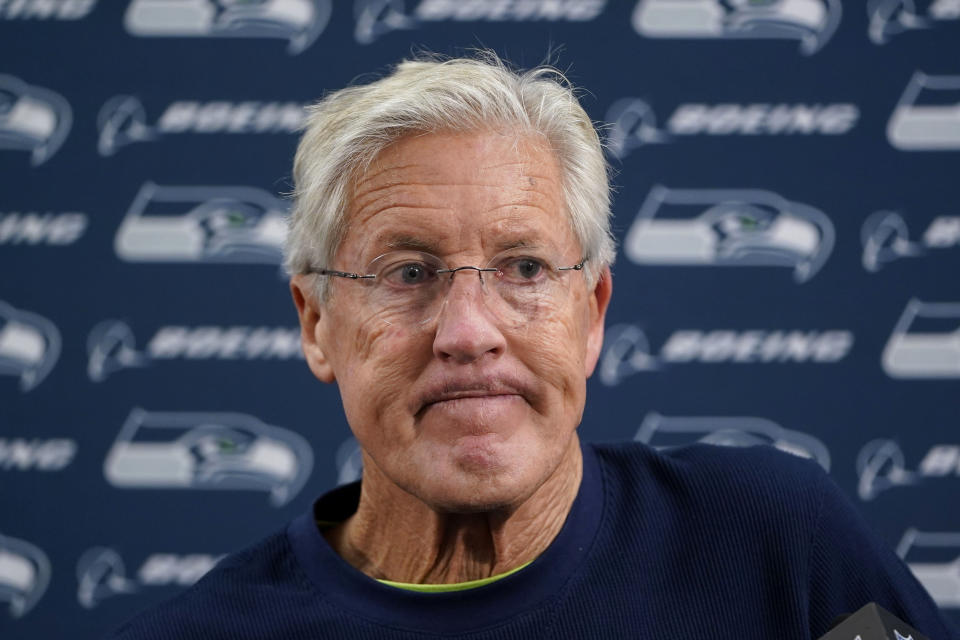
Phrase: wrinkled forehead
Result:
[445,192]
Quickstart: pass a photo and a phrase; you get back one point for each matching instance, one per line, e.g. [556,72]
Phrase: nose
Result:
[467,329]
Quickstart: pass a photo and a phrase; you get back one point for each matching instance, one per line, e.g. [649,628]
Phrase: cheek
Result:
[378,362]
[555,353]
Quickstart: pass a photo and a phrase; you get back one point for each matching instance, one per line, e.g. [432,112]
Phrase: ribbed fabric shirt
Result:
[700,542]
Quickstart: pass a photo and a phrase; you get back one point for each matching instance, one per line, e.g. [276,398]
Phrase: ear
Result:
[599,301]
[312,335]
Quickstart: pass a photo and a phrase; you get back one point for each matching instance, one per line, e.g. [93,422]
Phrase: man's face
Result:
[467,412]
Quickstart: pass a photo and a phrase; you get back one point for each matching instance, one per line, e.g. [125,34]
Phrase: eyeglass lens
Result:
[521,288]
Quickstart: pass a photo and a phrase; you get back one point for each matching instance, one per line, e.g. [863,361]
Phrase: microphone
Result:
[872,622]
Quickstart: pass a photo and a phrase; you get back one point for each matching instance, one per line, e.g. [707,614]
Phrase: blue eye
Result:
[409,273]
[413,273]
[523,269]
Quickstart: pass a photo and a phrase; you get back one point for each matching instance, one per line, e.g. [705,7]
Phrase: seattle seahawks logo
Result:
[812,22]
[729,227]
[32,119]
[29,345]
[198,450]
[299,22]
[203,224]
[926,117]
[24,575]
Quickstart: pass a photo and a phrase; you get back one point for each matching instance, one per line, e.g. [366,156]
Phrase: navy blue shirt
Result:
[699,542]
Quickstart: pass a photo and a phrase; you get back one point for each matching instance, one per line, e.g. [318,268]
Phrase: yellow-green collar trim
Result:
[435,588]
[454,586]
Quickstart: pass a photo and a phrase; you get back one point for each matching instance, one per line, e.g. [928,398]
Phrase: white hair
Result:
[346,130]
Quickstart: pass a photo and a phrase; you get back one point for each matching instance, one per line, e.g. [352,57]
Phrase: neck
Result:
[395,536]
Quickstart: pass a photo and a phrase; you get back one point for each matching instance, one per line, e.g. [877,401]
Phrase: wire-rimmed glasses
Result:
[520,286]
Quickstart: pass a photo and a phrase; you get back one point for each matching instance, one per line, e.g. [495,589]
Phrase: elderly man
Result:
[450,249]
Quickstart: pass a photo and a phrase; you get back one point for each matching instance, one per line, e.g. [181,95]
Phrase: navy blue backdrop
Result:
[786,207]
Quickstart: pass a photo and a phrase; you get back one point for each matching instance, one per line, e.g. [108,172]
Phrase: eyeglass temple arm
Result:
[340,274]
[576,267]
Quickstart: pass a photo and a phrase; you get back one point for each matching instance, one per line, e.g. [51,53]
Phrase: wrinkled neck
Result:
[395,536]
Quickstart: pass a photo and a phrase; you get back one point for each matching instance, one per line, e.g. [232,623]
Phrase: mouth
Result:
[465,395]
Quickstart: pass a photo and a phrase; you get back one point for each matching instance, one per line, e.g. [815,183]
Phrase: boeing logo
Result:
[123,120]
[375,18]
[635,123]
[112,347]
[202,224]
[927,118]
[925,343]
[29,346]
[934,558]
[101,573]
[886,238]
[881,466]
[65,10]
[53,229]
[24,575]
[300,22]
[812,22]
[183,570]
[729,227]
[671,431]
[19,454]
[32,119]
[627,349]
[893,17]
[226,451]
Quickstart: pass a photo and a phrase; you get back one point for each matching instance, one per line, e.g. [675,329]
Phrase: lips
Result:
[458,389]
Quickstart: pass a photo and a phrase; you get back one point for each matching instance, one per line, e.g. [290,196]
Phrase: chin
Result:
[477,478]
[482,501]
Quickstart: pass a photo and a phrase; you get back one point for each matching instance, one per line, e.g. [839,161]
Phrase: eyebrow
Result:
[410,243]
[515,243]
[413,243]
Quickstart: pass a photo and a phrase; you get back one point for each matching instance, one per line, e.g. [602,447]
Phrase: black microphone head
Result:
[836,621]
[871,622]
